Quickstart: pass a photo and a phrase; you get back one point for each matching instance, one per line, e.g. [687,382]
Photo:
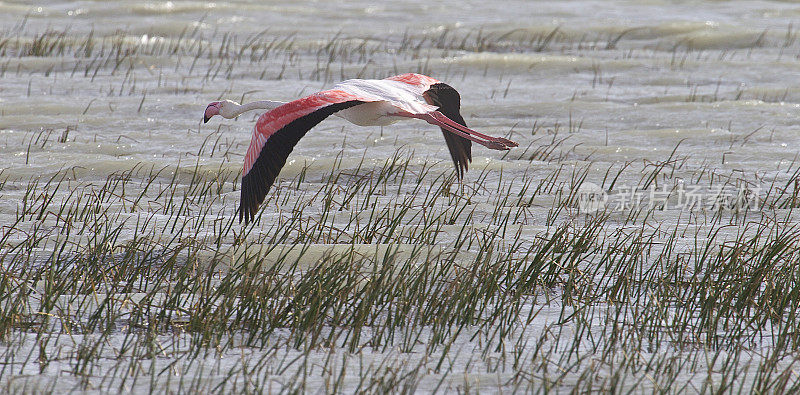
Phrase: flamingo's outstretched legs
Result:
[444,119]
[439,119]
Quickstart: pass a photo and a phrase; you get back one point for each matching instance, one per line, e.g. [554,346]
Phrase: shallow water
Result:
[703,90]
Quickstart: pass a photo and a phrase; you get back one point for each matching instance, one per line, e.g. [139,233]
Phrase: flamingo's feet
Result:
[506,142]
[500,146]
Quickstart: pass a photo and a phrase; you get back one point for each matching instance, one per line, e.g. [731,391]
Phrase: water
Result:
[701,91]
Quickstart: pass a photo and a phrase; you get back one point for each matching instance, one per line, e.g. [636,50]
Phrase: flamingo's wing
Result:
[449,102]
[274,137]
[421,82]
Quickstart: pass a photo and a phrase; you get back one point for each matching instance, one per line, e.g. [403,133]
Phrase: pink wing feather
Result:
[423,82]
[272,121]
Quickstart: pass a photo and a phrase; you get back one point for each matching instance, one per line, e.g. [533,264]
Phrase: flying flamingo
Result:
[362,102]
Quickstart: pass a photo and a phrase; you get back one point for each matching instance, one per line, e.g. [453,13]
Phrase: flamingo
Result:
[362,102]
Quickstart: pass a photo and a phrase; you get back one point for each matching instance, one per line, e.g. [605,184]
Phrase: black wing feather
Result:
[449,102]
[272,158]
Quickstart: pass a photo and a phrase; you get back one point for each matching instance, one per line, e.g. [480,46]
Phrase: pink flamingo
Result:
[362,102]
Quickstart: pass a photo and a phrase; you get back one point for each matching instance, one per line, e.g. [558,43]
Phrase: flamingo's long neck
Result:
[256,105]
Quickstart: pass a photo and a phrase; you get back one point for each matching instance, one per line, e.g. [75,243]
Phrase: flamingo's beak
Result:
[211,110]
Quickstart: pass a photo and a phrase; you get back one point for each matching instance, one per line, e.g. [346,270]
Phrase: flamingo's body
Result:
[362,102]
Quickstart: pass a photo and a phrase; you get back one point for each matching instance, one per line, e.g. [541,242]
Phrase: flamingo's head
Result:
[225,108]
[211,110]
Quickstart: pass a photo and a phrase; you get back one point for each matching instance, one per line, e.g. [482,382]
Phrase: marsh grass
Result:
[131,294]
